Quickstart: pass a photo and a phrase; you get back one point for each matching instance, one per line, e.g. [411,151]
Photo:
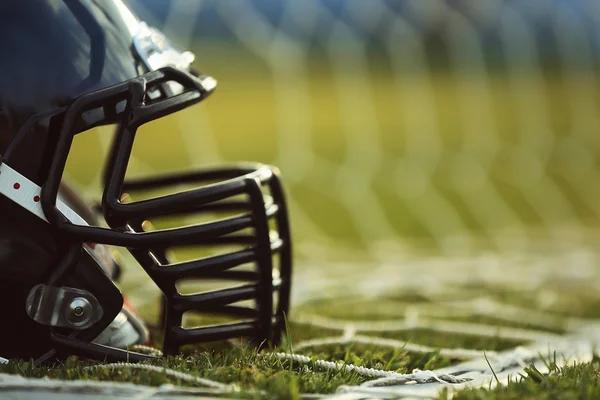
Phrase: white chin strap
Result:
[25,193]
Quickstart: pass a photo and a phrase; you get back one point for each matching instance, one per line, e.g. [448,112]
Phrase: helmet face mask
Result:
[66,298]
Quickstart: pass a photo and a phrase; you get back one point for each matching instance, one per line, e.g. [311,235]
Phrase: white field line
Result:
[492,308]
[169,372]
[463,328]
[457,353]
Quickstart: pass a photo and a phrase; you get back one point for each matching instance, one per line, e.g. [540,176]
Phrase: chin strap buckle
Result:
[63,307]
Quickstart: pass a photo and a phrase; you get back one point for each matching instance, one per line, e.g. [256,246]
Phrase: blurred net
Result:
[454,123]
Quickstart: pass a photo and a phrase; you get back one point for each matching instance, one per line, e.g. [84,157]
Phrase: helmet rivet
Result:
[79,311]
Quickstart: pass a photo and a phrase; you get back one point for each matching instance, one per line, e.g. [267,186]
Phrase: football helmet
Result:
[71,65]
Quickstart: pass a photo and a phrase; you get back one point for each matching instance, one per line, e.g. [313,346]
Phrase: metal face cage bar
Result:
[266,322]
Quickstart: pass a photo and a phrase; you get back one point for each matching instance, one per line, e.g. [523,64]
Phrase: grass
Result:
[257,375]
[574,381]
[254,373]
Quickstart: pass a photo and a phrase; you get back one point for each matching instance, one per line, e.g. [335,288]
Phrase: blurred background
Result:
[450,126]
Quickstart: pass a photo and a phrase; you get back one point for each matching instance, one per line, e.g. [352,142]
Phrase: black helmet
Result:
[68,66]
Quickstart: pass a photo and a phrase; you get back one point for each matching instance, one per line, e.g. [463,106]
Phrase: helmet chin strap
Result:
[26,193]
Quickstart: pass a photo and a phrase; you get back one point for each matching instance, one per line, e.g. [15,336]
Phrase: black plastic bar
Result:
[167,237]
[215,207]
[214,298]
[213,333]
[285,255]
[165,107]
[206,175]
[209,265]
[264,259]
[233,275]
[175,202]
[236,239]
[229,310]
[204,266]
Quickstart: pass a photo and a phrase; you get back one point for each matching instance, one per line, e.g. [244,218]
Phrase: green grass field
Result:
[462,191]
